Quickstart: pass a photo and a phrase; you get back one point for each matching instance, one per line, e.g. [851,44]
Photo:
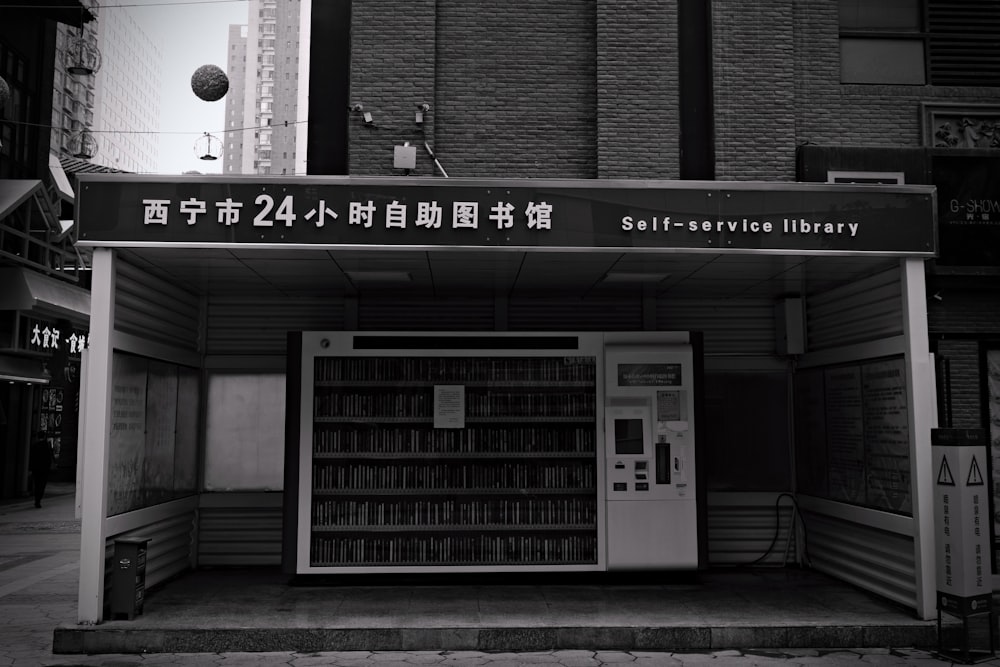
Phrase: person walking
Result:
[40,463]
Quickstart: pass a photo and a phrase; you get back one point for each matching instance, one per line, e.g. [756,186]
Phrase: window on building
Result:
[881,42]
[917,42]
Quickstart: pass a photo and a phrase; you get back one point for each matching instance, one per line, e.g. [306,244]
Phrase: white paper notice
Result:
[449,406]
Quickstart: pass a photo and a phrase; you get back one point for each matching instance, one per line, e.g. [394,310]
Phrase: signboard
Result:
[49,336]
[412,212]
[969,209]
[649,375]
[961,520]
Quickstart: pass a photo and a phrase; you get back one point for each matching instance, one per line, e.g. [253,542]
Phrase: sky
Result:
[189,34]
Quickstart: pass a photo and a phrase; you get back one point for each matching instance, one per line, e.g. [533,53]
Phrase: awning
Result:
[60,179]
[14,192]
[21,289]
[70,12]
[21,369]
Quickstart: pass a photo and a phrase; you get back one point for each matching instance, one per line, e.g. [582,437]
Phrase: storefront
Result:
[43,331]
[274,365]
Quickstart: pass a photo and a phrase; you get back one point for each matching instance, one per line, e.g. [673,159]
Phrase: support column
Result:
[95,438]
[922,418]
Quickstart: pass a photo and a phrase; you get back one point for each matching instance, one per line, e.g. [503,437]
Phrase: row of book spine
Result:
[444,550]
[420,403]
[492,403]
[336,439]
[455,370]
[455,513]
[561,475]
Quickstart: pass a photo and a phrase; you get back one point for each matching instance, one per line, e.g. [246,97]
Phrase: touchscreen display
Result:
[628,436]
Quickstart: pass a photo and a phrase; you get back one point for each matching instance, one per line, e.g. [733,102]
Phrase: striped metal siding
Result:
[749,532]
[866,310]
[963,45]
[154,309]
[605,314]
[731,326]
[240,530]
[250,325]
[169,552]
[870,558]
[424,314]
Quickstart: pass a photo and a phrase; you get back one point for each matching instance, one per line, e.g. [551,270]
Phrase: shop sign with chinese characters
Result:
[42,336]
[207,210]
[961,520]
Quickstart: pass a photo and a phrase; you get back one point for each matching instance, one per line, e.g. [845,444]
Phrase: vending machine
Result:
[652,510]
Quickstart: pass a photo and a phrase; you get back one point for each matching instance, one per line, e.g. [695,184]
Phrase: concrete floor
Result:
[212,613]
[263,610]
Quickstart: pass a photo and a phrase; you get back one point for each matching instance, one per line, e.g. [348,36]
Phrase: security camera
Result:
[422,108]
[357,107]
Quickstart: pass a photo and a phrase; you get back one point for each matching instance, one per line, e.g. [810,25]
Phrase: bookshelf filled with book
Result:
[427,460]
[447,459]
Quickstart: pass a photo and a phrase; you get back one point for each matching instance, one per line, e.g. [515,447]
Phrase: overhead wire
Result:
[198,132]
[123,5]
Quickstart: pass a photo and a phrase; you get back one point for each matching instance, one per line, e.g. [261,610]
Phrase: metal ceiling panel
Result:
[280,253]
[293,272]
[579,271]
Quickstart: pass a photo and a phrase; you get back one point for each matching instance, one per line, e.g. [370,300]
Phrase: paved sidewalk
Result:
[39,554]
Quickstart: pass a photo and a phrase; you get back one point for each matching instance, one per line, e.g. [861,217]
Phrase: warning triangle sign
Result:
[944,473]
[975,476]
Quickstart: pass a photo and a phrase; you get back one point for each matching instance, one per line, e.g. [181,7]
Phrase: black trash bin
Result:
[128,581]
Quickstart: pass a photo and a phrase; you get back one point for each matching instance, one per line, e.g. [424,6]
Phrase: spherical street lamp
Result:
[82,57]
[210,83]
[208,147]
[83,145]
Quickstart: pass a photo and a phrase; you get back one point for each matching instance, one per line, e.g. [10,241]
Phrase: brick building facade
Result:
[595,89]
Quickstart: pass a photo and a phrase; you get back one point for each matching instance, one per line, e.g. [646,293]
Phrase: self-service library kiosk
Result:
[479,452]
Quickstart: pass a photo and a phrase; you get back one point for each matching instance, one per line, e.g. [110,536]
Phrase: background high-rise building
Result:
[263,104]
[74,95]
[117,104]
[127,105]
[232,162]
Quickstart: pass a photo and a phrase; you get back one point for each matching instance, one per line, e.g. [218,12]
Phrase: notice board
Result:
[852,437]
